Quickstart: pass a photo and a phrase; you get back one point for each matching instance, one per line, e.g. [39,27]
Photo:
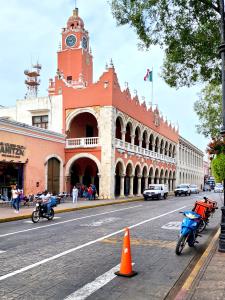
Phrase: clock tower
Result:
[75,66]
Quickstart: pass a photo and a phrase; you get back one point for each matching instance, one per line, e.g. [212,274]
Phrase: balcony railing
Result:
[133,149]
[89,142]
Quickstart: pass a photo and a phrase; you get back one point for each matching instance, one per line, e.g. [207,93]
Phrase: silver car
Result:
[194,189]
[218,188]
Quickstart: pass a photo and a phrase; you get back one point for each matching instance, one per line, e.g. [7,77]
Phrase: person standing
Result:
[75,194]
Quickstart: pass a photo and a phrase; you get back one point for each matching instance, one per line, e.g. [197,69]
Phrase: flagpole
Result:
[152,84]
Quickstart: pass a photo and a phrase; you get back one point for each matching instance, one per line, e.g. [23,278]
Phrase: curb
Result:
[186,287]
[28,216]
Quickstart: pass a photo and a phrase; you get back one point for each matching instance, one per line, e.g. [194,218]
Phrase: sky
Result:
[30,30]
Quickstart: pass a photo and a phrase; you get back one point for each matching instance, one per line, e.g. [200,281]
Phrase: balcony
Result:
[89,142]
[136,150]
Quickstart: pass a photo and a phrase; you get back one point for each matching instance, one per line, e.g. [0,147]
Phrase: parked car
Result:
[157,191]
[182,189]
[206,188]
[194,189]
[218,188]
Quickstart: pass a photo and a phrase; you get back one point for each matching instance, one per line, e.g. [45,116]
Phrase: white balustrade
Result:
[139,150]
[89,142]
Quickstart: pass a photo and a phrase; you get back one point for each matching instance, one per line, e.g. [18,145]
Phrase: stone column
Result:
[122,185]
[132,139]
[139,186]
[140,142]
[123,135]
[81,179]
[146,182]
[157,180]
[131,186]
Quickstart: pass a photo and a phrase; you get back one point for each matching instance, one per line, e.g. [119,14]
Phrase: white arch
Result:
[122,162]
[82,155]
[79,111]
[61,177]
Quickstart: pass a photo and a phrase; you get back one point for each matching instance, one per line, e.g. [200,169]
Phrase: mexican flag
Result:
[148,76]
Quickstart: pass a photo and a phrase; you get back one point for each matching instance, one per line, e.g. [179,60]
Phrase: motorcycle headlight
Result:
[37,204]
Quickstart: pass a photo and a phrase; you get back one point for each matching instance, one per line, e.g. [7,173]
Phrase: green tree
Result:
[187,30]
[209,111]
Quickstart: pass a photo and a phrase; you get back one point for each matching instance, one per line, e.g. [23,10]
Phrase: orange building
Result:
[111,139]
[32,158]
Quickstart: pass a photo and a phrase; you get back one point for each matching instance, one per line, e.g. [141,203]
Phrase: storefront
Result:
[31,158]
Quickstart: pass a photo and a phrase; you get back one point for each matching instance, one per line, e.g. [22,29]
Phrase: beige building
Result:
[190,167]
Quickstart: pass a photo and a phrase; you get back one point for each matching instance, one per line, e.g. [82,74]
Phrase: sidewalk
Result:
[8,214]
[207,279]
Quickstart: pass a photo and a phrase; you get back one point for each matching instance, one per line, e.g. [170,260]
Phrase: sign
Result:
[11,150]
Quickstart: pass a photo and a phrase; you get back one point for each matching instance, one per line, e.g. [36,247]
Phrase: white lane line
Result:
[1,251]
[93,286]
[72,220]
[30,222]
[82,246]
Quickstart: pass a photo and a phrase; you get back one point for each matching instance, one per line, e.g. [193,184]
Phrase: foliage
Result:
[188,30]
[216,147]
[216,150]
[218,167]
[209,111]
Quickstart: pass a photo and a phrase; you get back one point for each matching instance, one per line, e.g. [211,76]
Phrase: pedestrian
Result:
[93,191]
[15,199]
[75,194]
[90,192]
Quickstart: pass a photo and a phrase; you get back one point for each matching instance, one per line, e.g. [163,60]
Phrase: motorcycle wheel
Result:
[201,226]
[35,216]
[180,244]
[51,215]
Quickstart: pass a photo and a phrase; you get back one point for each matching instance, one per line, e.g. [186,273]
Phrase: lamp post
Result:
[222,53]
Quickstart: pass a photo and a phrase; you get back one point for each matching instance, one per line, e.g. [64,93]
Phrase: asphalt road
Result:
[75,256]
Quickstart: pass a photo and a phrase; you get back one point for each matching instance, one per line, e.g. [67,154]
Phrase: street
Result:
[75,256]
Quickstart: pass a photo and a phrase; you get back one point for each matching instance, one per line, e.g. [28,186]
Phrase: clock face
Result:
[71,40]
[84,42]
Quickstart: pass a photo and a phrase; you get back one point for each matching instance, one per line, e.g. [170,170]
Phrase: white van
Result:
[156,191]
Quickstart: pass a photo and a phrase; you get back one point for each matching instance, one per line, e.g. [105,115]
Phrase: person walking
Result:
[15,199]
[75,194]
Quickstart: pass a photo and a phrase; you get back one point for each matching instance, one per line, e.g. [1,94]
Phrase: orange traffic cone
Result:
[126,262]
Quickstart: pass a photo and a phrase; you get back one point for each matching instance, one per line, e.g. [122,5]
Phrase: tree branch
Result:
[216,8]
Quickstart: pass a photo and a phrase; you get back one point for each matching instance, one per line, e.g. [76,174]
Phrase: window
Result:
[40,121]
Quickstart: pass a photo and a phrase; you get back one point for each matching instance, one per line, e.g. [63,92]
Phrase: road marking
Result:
[101,222]
[172,226]
[68,221]
[1,251]
[83,246]
[31,222]
[142,242]
[93,286]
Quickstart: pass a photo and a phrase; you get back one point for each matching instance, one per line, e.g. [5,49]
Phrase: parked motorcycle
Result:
[40,211]
[189,230]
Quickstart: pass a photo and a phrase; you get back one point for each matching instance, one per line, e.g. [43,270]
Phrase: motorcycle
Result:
[40,211]
[189,230]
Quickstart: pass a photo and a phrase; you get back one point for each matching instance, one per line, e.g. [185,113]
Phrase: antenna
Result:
[32,80]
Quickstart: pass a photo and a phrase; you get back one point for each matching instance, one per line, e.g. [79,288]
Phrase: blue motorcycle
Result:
[189,230]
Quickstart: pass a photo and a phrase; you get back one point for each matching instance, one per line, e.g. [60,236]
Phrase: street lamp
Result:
[222,53]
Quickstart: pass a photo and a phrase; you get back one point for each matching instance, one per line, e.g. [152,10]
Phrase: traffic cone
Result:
[126,261]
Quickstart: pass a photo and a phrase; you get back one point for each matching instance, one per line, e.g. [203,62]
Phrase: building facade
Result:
[190,167]
[31,158]
[112,140]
